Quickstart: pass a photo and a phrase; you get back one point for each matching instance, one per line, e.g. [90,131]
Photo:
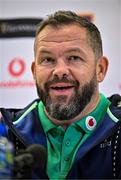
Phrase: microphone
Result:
[35,156]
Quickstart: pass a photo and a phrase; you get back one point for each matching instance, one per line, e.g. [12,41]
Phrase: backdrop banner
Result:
[17,34]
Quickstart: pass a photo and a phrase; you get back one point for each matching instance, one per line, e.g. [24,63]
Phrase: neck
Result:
[89,108]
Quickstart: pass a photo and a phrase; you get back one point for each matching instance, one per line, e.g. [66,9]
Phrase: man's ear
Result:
[33,69]
[101,69]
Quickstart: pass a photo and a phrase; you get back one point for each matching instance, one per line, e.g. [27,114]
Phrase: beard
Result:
[61,110]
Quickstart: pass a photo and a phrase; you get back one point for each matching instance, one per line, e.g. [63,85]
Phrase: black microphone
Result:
[35,156]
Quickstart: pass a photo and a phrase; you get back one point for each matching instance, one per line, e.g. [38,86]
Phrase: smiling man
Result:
[76,123]
[72,68]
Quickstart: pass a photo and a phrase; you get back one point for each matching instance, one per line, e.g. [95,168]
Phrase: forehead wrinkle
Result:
[39,41]
[64,34]
[42,43]
[71,49]
[55,38]
[59,41]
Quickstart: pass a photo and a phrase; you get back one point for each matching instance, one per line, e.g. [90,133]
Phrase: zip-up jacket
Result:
[99,157]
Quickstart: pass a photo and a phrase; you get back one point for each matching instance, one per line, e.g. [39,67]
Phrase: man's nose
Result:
[61,69]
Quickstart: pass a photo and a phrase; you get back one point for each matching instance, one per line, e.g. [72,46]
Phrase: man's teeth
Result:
[61,88]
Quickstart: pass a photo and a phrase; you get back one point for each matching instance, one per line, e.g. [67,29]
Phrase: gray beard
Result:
[76,104]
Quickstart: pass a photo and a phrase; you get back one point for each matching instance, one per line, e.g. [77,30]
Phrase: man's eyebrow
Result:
[70,50]
[44,51]
[73,49]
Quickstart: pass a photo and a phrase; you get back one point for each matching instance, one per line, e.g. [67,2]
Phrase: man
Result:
[77,124]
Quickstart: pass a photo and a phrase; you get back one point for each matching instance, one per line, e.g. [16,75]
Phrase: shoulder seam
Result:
[26,112]
[114,118]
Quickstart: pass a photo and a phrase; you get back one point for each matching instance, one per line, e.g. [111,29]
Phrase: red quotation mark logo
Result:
[16,67]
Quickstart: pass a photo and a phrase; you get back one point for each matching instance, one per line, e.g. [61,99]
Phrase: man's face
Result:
[64,70]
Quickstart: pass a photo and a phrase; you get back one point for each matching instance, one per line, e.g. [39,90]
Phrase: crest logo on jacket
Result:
[90,123]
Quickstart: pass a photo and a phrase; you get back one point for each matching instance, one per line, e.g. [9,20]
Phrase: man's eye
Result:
[47,60]
[74,58]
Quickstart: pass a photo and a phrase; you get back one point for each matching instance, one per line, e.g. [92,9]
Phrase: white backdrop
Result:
[17,91]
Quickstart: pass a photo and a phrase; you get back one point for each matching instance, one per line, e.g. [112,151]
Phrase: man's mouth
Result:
[61,88]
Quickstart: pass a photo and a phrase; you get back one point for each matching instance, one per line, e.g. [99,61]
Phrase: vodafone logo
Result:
[16,67]
[90,123]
